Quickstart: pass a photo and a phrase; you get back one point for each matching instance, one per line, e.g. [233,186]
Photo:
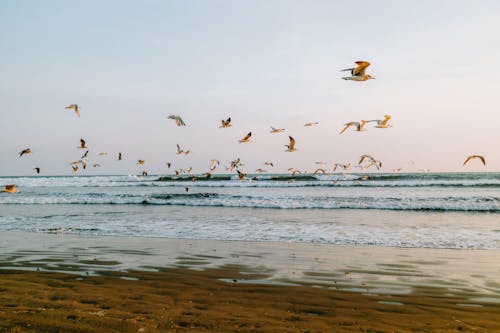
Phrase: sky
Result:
[130,64]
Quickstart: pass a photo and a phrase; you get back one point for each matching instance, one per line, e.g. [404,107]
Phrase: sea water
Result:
[433,210]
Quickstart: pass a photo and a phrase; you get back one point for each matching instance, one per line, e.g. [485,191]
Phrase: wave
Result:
[310,201]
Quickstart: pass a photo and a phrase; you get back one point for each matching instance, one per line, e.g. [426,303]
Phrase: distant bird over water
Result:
[25,152]
[120,156]
[475,156]
[75,108]
[358,73]
[309,124]
[10,189]
[37,170]
[178,120]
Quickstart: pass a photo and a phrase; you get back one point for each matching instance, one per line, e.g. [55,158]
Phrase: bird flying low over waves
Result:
[246,138]
[25,152]
[178,120]
[226,123]
[291,145]
[475,156]
[10,189]
[241,175]
[37,170]
[358,73]
[75,108]
[360,126]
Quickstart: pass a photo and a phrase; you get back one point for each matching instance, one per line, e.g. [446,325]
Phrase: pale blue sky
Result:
[129,64]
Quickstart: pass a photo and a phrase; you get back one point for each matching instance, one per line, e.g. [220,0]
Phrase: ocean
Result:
[421,210]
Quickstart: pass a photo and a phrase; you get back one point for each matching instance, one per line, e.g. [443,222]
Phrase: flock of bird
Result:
[358,73]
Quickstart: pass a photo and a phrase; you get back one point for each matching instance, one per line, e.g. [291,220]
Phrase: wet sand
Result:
[64,283]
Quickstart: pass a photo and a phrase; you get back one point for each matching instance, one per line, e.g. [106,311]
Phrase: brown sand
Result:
[158,285]
[182,300]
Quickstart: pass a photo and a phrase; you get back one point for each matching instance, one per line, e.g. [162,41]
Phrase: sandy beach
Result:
[67,283]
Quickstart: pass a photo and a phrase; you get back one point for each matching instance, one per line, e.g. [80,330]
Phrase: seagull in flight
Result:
[360,126]
[140,162]
[276,130]
[182,151]
[75,108]
[25,152]
[309,124]
[226,123]
[475,156]
[37,170]
[10,189]
[358,73]
[291,145]
[246,138]
[382,123]
[178,120]
[82,144]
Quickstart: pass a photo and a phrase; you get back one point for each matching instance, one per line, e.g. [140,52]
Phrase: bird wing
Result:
[10,187]
[482,159]
[360,70]
[467,160]
[247,136]
[292,143]
[347,126]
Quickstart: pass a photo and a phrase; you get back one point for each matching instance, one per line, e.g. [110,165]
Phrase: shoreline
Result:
[108,284]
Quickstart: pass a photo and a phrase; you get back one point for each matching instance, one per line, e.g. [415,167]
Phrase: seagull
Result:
[382,123]
[140,162]
[294,171]
[276,130]
[96,165]
[144,173]
[119,156]
[85,155]
[260,170]
[75,108]
[226,123]
[82,144]
[241,175]
[475,156]
[291,145]
[309,124]
[25,152]
[246,138]
[343,166]
[366,157]
[178,120]
[75,168]
[319,170]
[360,126]
[37,170]
[10,189]
[269,164]
[103,154]
[358,73]
[235,164]
[214,164]
[182,151]
[169,164]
